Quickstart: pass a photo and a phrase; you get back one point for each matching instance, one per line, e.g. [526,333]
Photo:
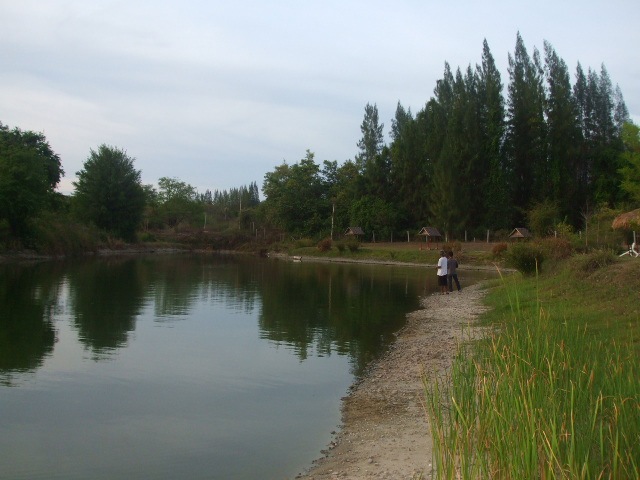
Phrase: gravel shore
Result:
[385,432]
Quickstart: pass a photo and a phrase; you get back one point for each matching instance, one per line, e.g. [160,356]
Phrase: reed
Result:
[541,397]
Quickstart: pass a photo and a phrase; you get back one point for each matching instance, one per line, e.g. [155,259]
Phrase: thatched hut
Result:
[520,233]
[354,231]
[431,234]
[627,221]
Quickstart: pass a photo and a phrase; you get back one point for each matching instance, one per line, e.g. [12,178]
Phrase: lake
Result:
[185,366]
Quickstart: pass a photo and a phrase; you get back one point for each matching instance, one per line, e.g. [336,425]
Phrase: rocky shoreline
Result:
[385,432]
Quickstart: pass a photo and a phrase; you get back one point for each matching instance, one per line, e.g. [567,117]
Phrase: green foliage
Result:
[109,193]
[542,218]
[296,199]
[630,170]
[526,257]
[176,204]
[373,214]
[353,245]
[547,394]
[29,173]
[592,261]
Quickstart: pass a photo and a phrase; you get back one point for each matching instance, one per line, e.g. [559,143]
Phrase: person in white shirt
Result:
[442,273]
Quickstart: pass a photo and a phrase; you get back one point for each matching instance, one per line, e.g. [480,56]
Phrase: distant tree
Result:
[29,173]
[295,198]
[495,198]
[177,201]
[525,139]
[563,136]
[372,141]
[109,193]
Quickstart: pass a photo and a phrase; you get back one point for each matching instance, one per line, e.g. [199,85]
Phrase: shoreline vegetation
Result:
[535,375]
[543,381]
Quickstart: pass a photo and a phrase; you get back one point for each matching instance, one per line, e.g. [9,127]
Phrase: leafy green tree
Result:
[374,215]
[29,173]
[177,202]
[343,185]
[630,170]
[296,200]
[109,193]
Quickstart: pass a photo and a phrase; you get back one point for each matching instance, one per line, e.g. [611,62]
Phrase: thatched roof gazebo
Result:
[430,234]
[627,221]
[354,231]
[520,232]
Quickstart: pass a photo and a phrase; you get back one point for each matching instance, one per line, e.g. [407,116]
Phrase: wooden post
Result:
[407,236]
[487,236]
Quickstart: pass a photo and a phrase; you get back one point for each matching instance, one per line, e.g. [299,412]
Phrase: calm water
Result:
[186,367]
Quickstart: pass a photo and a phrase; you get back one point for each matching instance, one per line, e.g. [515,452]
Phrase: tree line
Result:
[474,158]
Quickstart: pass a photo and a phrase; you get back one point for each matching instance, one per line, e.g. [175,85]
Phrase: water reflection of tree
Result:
[184,280]
[322,309]
[29,296]
[106,297]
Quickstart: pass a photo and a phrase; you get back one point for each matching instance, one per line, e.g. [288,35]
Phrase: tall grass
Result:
[540,398]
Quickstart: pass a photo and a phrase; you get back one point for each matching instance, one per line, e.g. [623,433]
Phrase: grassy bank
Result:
[468,253]
[554,392]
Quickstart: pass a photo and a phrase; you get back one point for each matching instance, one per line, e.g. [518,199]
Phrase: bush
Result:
[341,246]
[325,244]
[557,248]
[590,262]
[526,257]
[304,242]
[499,250]
[353,245]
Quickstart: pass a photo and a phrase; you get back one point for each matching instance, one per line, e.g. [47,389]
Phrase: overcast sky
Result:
[218,93]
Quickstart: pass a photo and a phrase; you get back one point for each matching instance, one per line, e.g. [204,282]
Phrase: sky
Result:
[218,93]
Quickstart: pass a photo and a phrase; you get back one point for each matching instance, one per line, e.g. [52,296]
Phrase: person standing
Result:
[452,272]
[442,272]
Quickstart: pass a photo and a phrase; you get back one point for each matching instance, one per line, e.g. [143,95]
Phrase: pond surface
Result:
[180,366]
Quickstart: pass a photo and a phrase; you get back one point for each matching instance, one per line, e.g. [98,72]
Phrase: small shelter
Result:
[520,232]
[354,231]
[431,234]
[628,221]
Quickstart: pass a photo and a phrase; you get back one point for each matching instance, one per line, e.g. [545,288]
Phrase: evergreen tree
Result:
[372,141]
[525,140]
[563,136]
[494,198]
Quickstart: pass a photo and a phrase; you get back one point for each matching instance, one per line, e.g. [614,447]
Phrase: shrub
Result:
[499,250]
[590,262]
[557,248]
[526,257]
[304,242]
[341,246]
[353,245]
[325,244]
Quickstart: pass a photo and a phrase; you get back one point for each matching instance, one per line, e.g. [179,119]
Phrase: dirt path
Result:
[385,432]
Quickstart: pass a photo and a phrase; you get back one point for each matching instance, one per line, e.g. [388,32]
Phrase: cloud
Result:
[218,93]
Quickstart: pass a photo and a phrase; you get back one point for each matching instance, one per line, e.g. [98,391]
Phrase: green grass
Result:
[554,392]
[398,252]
